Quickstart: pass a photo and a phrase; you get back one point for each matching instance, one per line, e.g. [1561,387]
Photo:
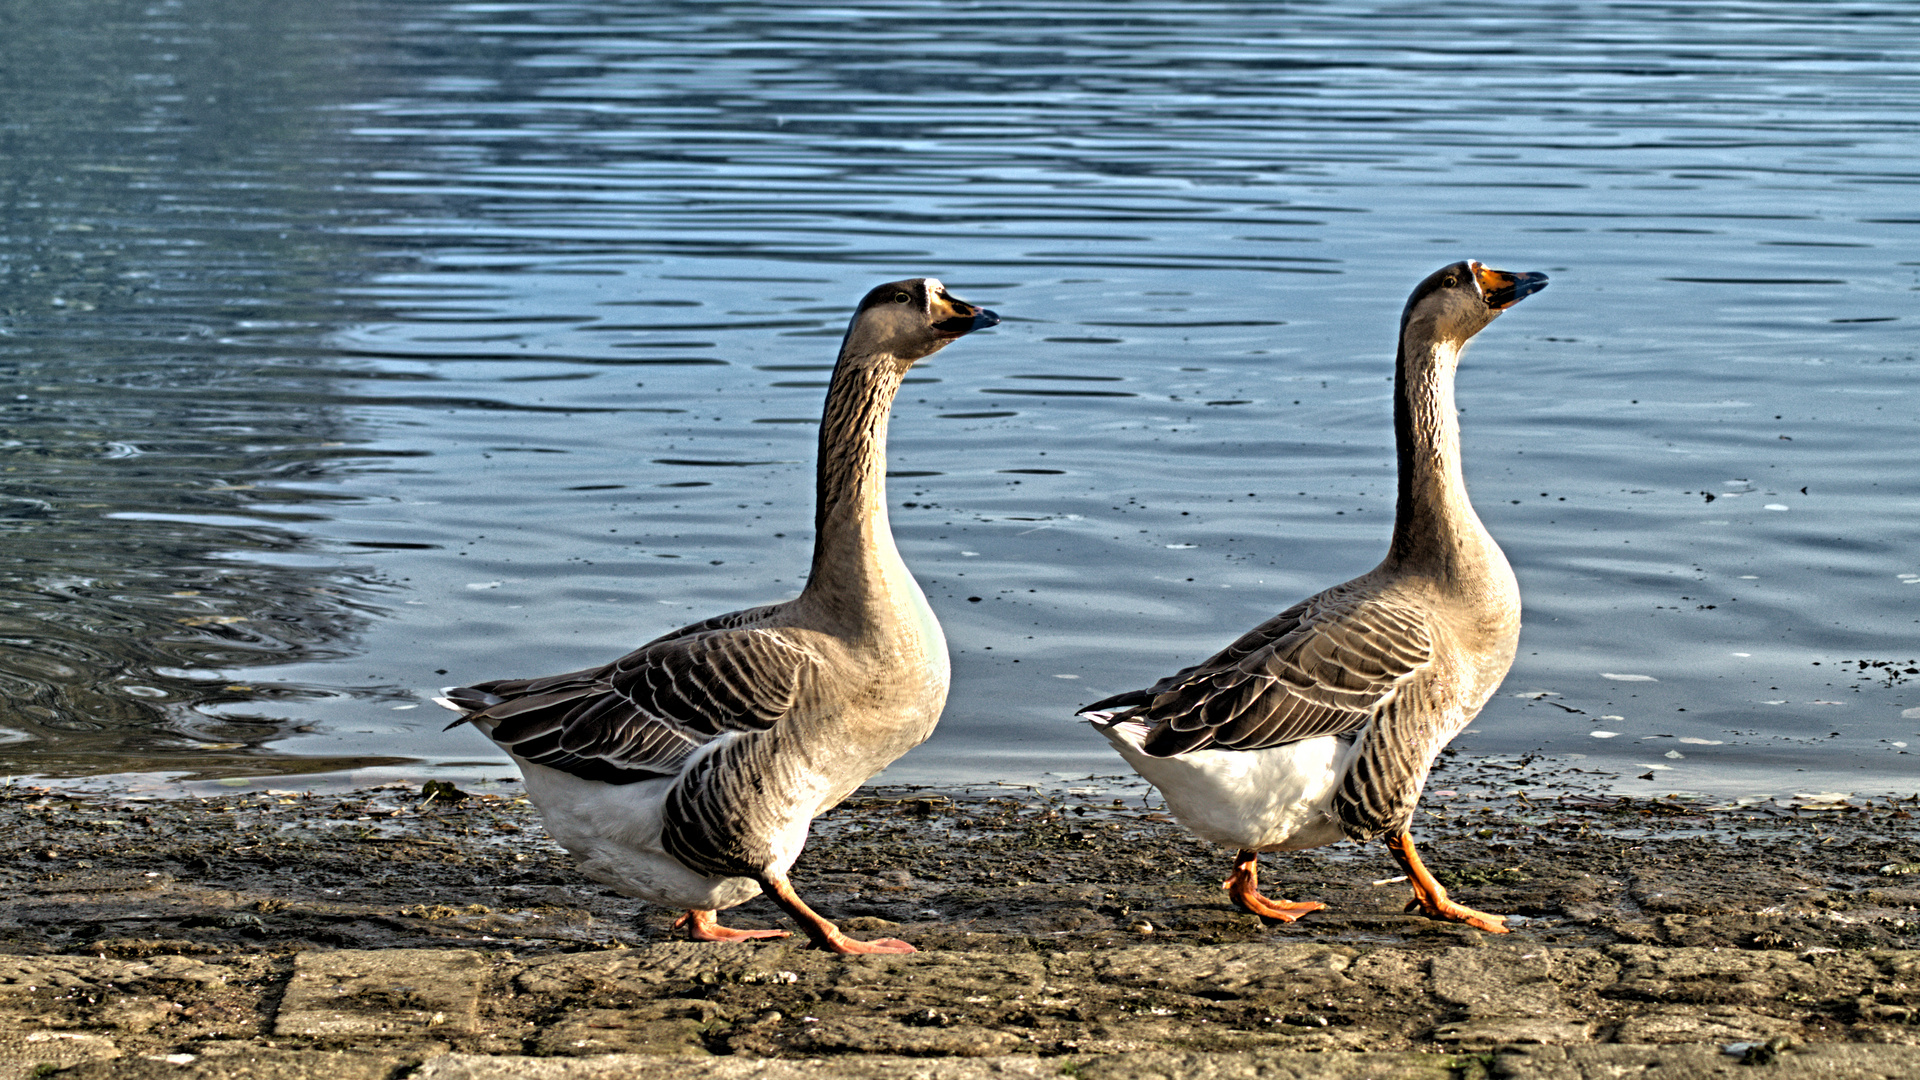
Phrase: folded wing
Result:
[1326,666]
[641,716]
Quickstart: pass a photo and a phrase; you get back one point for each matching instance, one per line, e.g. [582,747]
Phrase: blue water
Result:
[352,353]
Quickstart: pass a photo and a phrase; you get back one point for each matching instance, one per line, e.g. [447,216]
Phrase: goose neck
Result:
[1434,525]
[854,558]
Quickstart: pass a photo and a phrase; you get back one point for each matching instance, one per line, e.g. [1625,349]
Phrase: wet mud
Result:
[1075,925]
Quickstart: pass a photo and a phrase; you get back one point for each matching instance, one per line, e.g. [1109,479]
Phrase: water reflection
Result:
[169,443]
[430,340]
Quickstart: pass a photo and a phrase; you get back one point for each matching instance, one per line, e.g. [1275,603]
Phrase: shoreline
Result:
[1538,771]
[1063,929]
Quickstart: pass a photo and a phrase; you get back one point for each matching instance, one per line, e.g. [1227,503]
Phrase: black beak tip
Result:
[1523,285]
[967,324]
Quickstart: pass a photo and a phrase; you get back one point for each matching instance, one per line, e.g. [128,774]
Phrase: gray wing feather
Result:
[644,714]
[1327,666]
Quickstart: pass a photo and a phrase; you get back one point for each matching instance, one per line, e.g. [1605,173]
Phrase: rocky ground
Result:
[1068,931]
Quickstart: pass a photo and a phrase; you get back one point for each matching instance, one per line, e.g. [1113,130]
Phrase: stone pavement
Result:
[389,934]
[778,1012]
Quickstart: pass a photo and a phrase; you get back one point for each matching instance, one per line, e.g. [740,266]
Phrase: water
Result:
[355,351]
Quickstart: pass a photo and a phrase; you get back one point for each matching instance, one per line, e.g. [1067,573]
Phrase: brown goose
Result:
[687,772]
[1322,723]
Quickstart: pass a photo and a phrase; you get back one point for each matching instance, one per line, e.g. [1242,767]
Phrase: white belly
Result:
[1277,799]
[613,833]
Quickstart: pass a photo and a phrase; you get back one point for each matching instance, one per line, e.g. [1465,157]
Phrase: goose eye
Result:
[902,298]
[1450,281]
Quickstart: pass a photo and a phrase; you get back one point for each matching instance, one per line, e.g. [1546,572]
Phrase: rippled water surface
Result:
[353,350]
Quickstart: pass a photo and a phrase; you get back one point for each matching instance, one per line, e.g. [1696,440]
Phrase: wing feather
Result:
[1326,666]
[644,714]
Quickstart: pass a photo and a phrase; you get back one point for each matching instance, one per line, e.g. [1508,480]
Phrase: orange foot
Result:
[847,946]
[705,926]
[823,933]
[1243,885]
[1440,907]
[1430,897]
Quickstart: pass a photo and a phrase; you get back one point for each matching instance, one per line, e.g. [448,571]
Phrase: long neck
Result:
[1434,527]
[853,551]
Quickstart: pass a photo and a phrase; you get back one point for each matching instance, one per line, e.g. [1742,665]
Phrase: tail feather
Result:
[1107,708]
[466,701]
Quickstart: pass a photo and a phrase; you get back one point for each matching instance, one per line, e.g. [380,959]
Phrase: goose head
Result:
[1456,302]
[911,319]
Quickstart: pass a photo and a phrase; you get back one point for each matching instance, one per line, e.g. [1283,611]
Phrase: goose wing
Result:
[642,715]
[1326,666]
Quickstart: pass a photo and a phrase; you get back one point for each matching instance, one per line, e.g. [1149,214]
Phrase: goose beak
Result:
[954,317]
[1504,289]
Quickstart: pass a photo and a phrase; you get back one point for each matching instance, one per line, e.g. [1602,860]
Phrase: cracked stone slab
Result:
[647,1067]
[1508,1030]
[1218,967]
[384,993]
[1729,976]
[39,974]
[21,1054]
[955,972]
[1147,1066]
[1825,1061]
[650,968]
[647,1030]
[1722,1024]
[250,1065]
[1830,1061]
[1161,1065]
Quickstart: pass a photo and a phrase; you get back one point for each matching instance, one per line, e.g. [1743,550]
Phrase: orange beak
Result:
[1503,289]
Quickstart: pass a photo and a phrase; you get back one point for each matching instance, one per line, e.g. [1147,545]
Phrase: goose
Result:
[687,772]
[1322,723]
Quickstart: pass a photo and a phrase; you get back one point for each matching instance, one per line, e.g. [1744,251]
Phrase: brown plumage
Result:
[1322,722]
[687,772]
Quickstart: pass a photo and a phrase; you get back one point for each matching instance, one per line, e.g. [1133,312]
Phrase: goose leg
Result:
[825,935]
[1430,896]
[705,925]
[1243,885]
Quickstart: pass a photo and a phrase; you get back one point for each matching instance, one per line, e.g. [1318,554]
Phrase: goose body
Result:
[688,772]
[1322,723]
